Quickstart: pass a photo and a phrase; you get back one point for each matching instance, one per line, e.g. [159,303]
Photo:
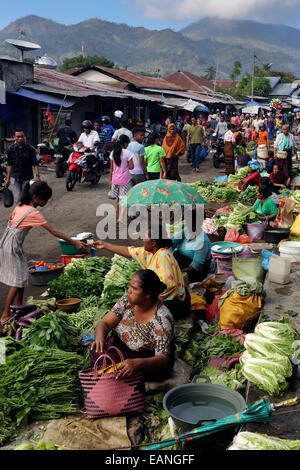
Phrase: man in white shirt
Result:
[122,131]
[89,138]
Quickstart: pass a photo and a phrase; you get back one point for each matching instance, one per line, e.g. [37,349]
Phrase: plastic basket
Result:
[69,249]
[41,278]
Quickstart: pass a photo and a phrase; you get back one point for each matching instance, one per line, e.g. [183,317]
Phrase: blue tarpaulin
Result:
[43,97]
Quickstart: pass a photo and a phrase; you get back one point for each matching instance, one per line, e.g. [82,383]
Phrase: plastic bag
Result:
[266,255]
[256,231]
[244,239]
[8,197]
[239,311]
[203,154]
[212,310]
[285,218]
[232,235]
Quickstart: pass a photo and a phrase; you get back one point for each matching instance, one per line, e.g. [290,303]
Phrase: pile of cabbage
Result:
[269,352]
[255,441]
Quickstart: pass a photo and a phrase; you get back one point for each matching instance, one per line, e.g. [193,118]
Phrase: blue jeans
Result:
[196,154]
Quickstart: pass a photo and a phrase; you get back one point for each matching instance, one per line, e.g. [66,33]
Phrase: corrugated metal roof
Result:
[139,81]
[274,81]
[59,83]
[284,89]
[189,81]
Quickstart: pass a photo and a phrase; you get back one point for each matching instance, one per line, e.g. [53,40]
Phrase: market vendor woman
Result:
[253,179]
[264,206]
[192,250]
[155,255]
[13,263]
[143,328]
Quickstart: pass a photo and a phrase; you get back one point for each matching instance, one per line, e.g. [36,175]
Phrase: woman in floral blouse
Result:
[143,328]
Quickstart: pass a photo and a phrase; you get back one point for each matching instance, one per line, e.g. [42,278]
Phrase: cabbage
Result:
[277,331]
[259,346]
[255,441]
[282,362]
[230,378]
[265,379]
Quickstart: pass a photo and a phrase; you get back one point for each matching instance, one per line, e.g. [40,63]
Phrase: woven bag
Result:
[106,396]
[282,155]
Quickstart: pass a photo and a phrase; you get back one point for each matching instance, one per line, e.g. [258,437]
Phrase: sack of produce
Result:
[243,268]
[295,229]
[107,396]
[239,311]
[232,235]
[285,218]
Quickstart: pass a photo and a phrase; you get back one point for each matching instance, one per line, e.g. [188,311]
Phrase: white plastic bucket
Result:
[290,250]
[280,270]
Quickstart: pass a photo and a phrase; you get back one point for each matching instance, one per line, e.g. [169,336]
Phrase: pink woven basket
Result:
[105,395]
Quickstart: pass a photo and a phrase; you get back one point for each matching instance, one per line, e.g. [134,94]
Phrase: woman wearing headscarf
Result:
[285,142]
[253,179]
[174,147]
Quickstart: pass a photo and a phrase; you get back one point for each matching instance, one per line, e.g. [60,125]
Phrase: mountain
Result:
[160,51]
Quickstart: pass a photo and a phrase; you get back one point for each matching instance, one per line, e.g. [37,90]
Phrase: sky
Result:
[153,14]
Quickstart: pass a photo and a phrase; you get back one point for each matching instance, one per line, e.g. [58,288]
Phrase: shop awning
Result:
[42,97]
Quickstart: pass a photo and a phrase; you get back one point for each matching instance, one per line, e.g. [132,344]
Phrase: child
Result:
[271,162]
[13,264]
[121,161]
[155,157]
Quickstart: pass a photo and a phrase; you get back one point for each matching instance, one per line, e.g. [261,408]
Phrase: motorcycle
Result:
[61,160]
[218,152]
[84,166]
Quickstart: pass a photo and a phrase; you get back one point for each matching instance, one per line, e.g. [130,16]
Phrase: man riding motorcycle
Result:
[89,137]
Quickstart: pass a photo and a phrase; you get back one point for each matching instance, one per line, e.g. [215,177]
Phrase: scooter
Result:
[218,152]
[84,167]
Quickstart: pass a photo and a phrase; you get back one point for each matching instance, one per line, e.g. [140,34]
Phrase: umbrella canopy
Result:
[190,105]
[162,192]
[202,107]
[259,412]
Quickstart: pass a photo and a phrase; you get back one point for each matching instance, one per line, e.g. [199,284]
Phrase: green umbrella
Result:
[162,192]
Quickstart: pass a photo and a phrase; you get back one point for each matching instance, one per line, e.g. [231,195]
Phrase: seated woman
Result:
[192,250]
[264,206]
[278,179]
[156,256]
[143,328]
[253,179]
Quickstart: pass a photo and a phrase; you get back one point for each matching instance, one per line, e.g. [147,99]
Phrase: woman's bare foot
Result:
[4,320]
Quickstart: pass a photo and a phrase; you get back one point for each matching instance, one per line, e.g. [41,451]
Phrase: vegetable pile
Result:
[255,441]
[88,316]
[228,378]
[82,278]
[117,281]
[40,446]
[240,216]
[204,346]
[217,192]
[239,150]
[247,197]
[43,264]
[293,195]
[240,174]
[38,384]
[267,361]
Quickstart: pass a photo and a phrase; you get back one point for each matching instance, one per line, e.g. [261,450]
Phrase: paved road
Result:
[75,212]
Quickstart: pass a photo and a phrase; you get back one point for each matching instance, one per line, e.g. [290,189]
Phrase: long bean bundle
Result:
[39,384]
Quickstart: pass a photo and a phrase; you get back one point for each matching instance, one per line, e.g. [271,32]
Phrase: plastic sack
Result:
[221,179]
[203,154]
[212,310]
[238,311]
[255,232]
[244,239]
[243,268]
[232,235]
[266,255]
[295,229]
[285,218]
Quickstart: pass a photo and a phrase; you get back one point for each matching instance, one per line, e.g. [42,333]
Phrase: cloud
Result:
[267,11]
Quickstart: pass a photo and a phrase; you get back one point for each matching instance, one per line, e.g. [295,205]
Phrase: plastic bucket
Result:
[280,270]
[290,250]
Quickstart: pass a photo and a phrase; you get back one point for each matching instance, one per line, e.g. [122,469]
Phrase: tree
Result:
[210,73]
[80,61]
[265,71]
[236,71]
[262,86]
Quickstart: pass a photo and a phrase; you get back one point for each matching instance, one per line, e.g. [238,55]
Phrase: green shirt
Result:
[186,128]
[153,156]
[269,207]
[196,134]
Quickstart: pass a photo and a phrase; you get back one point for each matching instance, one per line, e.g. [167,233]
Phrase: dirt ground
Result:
[75,212]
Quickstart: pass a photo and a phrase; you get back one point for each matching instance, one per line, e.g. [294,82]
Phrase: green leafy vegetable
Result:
[233,378]
[255,441]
